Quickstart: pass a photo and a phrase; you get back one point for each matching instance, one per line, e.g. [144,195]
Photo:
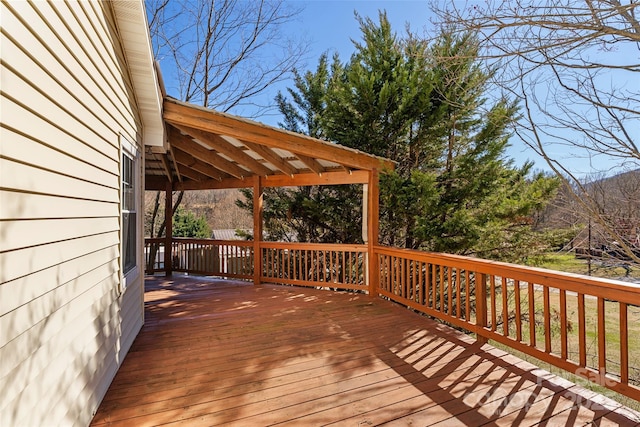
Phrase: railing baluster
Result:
[407,279]
[518,319]
[602,352]
[406,265]
[505,307]
[417,281]
[415,285]
[494,308]
[450,286]
[283,269]
[407,274]
[333,266]
[624,344]
[420,281]
[352,269]
[458,293]
[547,319]
[324,266]
[532,314]
[403,281]
[442,300]
[236,260]
[328,267]
[434,285]
[274,262]
[392,274]
[382,262]
[393,271]
[582,331]
[315,264]
[266,267]
[481,305]
[308,264]
[563,323]
[271,256]
[467,305]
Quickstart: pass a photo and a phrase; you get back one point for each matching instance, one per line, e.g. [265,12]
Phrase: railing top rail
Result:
[607,288]
[316,246]
[213,241]
[154,240]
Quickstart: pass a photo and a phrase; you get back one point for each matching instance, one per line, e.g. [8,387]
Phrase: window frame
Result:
[130,151]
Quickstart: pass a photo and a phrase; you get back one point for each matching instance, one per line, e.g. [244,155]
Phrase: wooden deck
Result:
[221,352]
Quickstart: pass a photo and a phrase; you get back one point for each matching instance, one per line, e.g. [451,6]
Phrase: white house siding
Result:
[65,321]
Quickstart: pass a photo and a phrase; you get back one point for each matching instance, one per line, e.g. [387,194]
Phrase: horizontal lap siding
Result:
[66,99]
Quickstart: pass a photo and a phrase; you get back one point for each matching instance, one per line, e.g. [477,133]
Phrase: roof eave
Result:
[132,26]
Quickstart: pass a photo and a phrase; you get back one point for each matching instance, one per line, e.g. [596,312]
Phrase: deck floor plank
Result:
[216,352]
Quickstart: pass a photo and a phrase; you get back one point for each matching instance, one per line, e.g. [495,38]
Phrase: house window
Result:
[129,214]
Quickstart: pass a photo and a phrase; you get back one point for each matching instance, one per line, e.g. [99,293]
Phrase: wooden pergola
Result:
[206,149]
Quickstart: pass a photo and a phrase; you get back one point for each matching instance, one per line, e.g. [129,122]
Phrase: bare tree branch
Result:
[561,59]
[226,52]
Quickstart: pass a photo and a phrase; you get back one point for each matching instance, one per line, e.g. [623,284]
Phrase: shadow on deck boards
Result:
[225,352]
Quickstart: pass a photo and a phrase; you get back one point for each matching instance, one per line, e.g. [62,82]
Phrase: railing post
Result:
[481,306]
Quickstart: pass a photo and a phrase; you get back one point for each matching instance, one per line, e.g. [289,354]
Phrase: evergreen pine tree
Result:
[186,224]
[427,107]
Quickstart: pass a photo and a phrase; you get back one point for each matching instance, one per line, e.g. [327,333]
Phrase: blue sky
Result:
[330,25]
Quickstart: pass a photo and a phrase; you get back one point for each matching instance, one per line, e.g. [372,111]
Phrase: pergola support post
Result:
[371,216]
[168,226]
[258,200]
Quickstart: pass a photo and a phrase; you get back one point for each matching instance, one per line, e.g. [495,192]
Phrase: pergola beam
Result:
[298,180]
[181,114]
[311,163]
[222,146]
[191,173]
[271,157]
[164,160]
[188,145]
[188,160]
[175,165]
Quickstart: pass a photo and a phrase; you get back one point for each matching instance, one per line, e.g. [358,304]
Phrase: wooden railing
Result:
[318,265]
[223,258]
[154,255]
[584,325]
[304,264]
[577,323]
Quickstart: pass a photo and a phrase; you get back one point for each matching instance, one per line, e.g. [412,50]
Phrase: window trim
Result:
[127,148]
